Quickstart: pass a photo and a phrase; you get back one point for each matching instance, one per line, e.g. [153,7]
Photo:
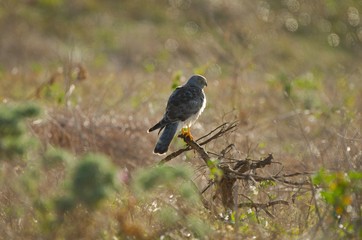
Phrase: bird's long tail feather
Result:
[166,137]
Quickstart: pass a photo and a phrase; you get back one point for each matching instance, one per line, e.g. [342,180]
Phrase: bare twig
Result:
[262,205]
[174,154]
[207,187]
[212,135]
[224,183]
[262,163]
[235,169]
[271,178]
[223,129]
[200,150]
[212,131]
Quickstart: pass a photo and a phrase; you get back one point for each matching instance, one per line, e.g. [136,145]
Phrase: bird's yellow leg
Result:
[187,133]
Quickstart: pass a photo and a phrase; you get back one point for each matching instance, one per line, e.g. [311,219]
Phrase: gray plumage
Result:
[183,108]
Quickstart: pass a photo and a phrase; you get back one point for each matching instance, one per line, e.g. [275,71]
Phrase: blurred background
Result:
[245,42]
[289,67]
[101,71]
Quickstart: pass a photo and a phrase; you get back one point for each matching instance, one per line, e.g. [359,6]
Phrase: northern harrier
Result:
[183,108]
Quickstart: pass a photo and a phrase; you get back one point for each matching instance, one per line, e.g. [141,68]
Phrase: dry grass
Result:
[293,94]
[122,138]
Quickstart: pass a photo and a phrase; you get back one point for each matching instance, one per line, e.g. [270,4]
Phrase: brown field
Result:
[100,73]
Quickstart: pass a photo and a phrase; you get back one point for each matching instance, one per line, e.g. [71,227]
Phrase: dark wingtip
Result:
[157,126]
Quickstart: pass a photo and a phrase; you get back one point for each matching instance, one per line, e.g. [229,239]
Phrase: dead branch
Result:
[219,131]
[174,154]
[224,188]
[262,205]
[212,135]
[237,169]
[258,178]
[200,150]
[225,183]
[243,166]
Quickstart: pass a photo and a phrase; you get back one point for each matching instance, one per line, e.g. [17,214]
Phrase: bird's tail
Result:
[166,138]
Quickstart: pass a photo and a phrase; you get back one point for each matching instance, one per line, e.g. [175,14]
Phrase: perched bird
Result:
[183,108]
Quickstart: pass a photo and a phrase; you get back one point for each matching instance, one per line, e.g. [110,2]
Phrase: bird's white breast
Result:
[191,120]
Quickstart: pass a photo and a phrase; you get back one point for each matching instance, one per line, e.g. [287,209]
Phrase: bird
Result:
[183,108]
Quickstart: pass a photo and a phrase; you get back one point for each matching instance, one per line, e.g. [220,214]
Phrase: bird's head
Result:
[198,81]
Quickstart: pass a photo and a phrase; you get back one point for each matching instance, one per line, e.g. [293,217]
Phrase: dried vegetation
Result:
[280,154]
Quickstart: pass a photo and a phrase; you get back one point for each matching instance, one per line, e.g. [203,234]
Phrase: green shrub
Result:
[343,191]
[13,138]
[55,157]
[93,180]
[149,179]
[169,194]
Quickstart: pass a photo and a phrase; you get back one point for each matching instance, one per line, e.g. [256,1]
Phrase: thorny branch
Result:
[238,169]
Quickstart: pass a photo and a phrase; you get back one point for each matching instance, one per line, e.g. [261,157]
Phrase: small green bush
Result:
[93,180]
[149,179]
[13,138]
[343,191]
[55,157]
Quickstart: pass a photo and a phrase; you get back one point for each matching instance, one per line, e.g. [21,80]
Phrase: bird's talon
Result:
[187,134]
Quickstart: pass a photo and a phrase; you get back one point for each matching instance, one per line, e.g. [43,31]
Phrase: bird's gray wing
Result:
[166,137]
[184,102]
